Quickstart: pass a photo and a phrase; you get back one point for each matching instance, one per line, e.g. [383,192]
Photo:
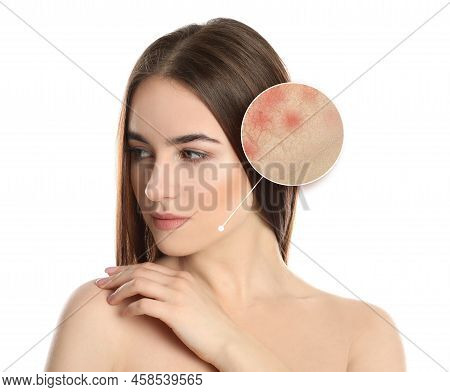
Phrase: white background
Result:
[378,223]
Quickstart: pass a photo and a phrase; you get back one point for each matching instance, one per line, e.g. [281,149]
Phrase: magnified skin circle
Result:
[292,134]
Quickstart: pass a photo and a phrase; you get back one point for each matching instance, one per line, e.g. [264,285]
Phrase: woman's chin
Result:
[175,250]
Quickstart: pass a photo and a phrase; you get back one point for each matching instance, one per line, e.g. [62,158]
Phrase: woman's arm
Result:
[85,338]
[377,347]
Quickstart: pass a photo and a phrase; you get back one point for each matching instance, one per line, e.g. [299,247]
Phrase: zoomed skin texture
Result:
[292,134]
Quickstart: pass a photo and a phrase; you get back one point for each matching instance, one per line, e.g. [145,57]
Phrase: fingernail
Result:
[108,270]
[101,281]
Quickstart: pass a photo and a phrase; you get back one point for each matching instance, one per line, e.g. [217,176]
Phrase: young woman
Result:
[188,296]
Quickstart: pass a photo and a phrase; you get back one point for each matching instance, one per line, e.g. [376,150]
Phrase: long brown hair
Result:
[226,64]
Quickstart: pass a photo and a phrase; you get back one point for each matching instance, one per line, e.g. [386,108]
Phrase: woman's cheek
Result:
[221,197]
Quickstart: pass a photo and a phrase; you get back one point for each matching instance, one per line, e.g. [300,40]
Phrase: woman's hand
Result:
[175,298]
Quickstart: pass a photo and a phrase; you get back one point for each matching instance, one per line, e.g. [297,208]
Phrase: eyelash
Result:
[135,151]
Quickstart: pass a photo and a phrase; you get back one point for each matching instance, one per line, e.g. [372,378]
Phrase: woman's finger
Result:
[145,287]
[160,268]
[113,270]
[113,280]
[148,307]
[122,277]
[148,264]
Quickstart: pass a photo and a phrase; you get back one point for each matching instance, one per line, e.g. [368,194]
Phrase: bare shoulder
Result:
[375,343]
[87,332]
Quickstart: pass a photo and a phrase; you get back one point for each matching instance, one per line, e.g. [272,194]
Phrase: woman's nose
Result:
[162,182]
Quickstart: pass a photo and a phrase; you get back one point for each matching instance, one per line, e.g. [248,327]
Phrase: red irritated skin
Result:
[291,119]
[251,148]
[295,124]
[259,120]
[260,116]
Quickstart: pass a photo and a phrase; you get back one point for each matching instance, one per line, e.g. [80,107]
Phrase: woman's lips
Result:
[168,224]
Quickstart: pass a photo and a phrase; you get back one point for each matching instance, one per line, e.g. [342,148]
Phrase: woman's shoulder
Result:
[359,313]
[87,333]
[374,339]
[93,335]
[374,342]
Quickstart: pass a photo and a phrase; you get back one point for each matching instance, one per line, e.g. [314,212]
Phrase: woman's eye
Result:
[193,156]
[138,153]
[186,155]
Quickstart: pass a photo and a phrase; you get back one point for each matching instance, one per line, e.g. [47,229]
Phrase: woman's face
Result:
[197,177]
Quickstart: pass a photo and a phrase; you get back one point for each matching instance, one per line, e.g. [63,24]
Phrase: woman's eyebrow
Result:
[131,135]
